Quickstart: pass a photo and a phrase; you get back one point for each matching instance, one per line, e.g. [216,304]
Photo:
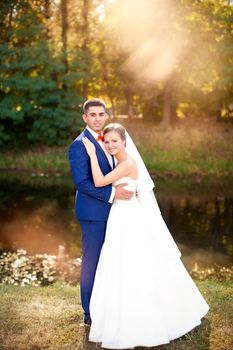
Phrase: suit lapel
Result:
[98,147]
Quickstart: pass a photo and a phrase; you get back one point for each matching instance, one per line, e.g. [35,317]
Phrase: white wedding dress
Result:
[142,294]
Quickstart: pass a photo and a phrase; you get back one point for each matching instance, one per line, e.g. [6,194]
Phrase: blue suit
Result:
[91,208]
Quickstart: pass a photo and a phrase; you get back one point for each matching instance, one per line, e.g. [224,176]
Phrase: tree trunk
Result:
[64,24]
[85,34]
[218,115]
[167,106]
[47,15]
[173,112]
[10,16]
[129,99]
[112,100]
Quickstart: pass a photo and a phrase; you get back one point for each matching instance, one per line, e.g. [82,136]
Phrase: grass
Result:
[40,318]
[42,159]
[187,150]
[197,150]
[34,318]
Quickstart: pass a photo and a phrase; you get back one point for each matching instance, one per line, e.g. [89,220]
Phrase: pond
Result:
[36,214]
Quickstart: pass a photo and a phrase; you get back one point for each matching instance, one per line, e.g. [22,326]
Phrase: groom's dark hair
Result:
[94,102]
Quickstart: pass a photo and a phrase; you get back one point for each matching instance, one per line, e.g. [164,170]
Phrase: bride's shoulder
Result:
[131,160]
[132,166]
[128,164]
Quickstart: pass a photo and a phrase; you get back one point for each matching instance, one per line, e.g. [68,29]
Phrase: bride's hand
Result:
[90,147]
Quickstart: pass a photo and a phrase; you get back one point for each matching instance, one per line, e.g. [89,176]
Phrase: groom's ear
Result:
[84,117]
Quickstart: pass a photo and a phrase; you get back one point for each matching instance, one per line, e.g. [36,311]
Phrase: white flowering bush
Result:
[19,268]
[220,273]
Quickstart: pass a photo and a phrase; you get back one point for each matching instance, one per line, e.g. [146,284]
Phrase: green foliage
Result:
[211,80]
[199,33]
[199,150]
[52,59]
[38,100]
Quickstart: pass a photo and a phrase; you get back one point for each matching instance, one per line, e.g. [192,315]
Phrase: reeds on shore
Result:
[189,149]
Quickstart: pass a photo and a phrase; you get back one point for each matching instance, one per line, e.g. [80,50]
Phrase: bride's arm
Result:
[120,171]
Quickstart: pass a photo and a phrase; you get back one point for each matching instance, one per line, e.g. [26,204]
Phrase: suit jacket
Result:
[91,202]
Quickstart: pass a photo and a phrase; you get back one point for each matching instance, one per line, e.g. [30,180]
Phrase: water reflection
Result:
[36,214]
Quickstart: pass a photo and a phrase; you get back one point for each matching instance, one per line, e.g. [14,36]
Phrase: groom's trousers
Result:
[93,234]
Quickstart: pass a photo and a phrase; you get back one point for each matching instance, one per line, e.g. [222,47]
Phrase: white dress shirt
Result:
[109,157]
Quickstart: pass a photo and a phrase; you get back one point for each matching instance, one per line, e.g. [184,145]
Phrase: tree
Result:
[182,51]
[38,101]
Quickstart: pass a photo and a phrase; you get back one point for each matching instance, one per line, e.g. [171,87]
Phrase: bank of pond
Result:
[37,215]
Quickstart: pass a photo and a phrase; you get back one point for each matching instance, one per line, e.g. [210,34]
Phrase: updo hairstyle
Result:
[117,128]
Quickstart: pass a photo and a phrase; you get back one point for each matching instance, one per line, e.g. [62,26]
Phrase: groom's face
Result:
[95,118]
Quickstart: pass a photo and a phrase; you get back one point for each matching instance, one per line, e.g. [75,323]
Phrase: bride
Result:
[142,294]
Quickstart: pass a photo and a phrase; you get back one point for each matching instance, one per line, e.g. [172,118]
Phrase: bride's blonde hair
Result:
[117,128]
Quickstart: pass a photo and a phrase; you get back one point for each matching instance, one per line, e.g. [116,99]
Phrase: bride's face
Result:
[113,142]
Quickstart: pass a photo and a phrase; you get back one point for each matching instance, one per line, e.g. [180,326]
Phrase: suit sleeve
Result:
[81,173]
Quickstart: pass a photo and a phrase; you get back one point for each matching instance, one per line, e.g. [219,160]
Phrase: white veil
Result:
[145,182]
[147,198]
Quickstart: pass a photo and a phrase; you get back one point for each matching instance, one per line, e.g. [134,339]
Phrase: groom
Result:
[92,203]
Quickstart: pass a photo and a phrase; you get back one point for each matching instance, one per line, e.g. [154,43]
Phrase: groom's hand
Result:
[122,193]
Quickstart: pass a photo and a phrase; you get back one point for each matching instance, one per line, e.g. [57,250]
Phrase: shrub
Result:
[19,268]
